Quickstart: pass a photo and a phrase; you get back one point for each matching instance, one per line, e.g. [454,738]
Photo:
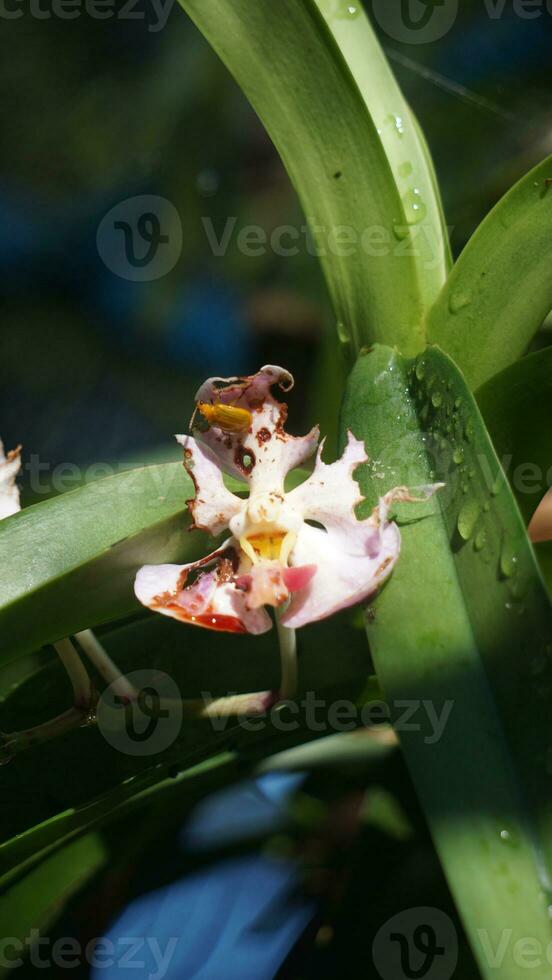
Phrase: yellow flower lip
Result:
[268,546]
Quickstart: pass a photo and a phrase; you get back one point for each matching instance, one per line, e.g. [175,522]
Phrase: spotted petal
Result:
[263,454]
[212,600]
[213,505]
[9,491]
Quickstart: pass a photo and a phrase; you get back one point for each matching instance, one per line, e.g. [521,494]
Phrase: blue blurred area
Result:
[237,919]
[99,111]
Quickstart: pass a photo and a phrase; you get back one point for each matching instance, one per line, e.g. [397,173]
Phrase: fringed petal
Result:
[213,505]
[331,494]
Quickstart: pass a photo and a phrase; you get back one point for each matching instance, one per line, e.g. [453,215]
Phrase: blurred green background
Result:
[95,367]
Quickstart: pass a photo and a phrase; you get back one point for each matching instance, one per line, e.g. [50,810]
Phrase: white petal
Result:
[213,505]
[343,577]
[211,601]
[9,491]
[353,558]
[331,494]
[264,454]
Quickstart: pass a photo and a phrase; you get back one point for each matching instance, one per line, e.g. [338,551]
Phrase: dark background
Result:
[94,367]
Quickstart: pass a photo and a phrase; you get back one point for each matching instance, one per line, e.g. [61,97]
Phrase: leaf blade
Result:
[438,638]
[500,290]
[311,69]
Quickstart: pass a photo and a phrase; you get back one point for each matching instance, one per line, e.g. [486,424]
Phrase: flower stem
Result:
[105,665]
[80,681]
[288,659]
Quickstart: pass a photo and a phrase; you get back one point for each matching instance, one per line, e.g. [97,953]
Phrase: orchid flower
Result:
[303,552]
[9,491]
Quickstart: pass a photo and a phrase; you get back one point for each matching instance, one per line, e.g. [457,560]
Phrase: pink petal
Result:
[213,505]
[265,453]
[298,578]
[212,601]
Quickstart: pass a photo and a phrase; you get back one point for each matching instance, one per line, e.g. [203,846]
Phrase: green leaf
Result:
[500,290]
[516,407]
[544,556]
[35,902]
[317,77]
[464,625]
[72,559]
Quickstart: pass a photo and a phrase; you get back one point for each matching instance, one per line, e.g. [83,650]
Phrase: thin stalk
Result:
[80,681]
[288,659]
[105,666]
[15,742]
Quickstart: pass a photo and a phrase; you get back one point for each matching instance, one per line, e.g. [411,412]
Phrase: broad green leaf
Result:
[517,407]
[317,77]
[464,626]
[35,902]
[70,561]
[500,290]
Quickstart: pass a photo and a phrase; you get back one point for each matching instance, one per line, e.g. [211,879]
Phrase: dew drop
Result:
[497,484]
[459,300]
[397,122]
[420,370]
[480,540]
[405,169]
[343,333]
[509,836]
[467,518]
[508,560]
[415,208]
[400,231]
[436,399]
[457,403]
[458,455]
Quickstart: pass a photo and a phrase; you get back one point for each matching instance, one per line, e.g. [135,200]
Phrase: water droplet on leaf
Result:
[459,299]
[467,518]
